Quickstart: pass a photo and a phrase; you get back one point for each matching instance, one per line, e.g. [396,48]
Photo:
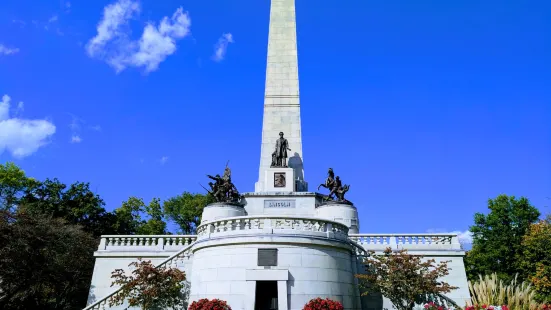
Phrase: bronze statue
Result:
[340,190]
[222,189]
[280,153]
[336,189]
[329,181]
[274,160]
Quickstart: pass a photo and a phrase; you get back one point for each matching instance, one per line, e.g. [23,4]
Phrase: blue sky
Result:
[427,108]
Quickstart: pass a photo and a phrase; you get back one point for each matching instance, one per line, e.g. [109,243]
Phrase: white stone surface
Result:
[313,271]
[342,213]
[270,180]
[237,255]
[221,210]
[281,98]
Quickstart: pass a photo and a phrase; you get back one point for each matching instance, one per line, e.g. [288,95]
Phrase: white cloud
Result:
[221,46]
[76,139]
[4,50]
[21,23]
[96,128]
[163,160]
[75,125]
[113,45]
[53,19]
[465,237]
[22,137]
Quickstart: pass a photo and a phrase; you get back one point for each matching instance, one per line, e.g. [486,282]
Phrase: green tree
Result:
[186,210]
[13,183]
[155,225]
[497,237]
[149,287]
[130,217]
[45,263]
[76,203]
[405,279]
[535,259]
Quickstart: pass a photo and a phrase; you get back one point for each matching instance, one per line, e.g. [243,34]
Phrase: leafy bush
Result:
[205,304]
[149,287]
[405,279]
[323,304]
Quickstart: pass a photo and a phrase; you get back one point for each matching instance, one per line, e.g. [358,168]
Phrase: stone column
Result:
[281,98]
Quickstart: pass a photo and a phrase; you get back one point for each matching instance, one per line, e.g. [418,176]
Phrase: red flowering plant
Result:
[206,304]
[546,307]
[323,304]
[486,307]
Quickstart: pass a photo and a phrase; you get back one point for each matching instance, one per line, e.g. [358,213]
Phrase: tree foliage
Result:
[186,210]
[13,183]
[149,287]
[129,217]
[404,279]
[45,262]
[535,258]
[76,204]
[497,237]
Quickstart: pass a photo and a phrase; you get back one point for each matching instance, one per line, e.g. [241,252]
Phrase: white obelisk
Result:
[281,98]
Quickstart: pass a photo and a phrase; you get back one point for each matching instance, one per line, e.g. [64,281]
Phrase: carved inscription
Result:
[279,204]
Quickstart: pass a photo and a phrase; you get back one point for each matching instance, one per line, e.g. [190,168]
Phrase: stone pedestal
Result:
[279,180]
[218,210]
[342,212]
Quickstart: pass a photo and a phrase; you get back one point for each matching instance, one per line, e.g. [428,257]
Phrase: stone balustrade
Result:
[410,242]
[169,243]
[272,224]
[282,225]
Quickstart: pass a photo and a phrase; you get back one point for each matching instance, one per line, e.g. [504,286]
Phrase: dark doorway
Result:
[266,295]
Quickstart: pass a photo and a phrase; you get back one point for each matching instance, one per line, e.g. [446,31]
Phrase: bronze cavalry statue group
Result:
[335,187]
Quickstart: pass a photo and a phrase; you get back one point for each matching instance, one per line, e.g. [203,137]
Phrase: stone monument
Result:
[281,103]
[281,245]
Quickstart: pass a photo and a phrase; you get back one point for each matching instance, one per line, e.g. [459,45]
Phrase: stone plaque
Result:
[279,179]
[267,257]
[279,203]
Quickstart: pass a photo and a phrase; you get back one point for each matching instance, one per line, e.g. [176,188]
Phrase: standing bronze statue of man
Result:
[280,154]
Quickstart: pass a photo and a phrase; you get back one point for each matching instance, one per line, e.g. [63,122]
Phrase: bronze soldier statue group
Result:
[223,190]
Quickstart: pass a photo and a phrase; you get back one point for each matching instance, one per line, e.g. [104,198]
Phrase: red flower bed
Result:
[205,304]
[486,307]
[323,304]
